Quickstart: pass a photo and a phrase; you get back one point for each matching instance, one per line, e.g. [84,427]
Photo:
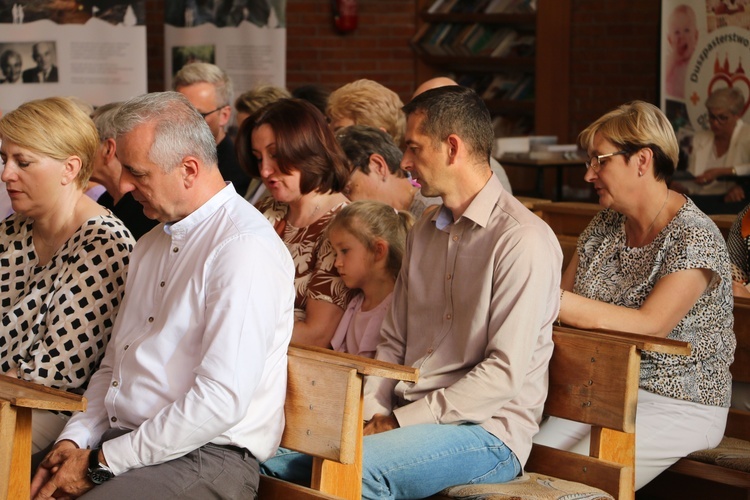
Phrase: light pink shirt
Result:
[359,331]
[473,309]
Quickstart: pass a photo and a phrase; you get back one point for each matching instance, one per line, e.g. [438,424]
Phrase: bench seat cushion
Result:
[527,487]
[731,453]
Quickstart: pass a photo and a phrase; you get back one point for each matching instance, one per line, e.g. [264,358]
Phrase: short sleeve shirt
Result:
[612,272]
[315,276]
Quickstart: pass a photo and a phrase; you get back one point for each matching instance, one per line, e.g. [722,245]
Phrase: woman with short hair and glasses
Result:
[652,263]
[720,154]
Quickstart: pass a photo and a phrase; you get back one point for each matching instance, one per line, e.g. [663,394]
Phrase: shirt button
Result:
[447,316]
[448,277]
[151,319]
[175,249]
[429,351]
[113,419]
[455,238]
[115,384]
[126,347]
[162,284]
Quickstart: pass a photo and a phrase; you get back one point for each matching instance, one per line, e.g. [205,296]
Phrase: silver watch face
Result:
[100,475]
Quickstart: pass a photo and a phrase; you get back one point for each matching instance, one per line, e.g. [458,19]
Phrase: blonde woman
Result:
[652,263]
[63,257]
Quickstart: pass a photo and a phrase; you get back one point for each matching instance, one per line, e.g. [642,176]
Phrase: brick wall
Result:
[614,50]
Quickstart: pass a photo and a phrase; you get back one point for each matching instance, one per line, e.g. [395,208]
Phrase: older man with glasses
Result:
[209,89]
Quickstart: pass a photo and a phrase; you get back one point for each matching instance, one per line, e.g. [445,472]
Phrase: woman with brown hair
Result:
[289,145]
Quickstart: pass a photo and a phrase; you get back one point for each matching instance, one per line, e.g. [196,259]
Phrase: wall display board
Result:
[91,49]
[705,45]
[246,38]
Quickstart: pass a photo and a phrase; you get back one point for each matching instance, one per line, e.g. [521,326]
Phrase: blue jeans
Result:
[416,461]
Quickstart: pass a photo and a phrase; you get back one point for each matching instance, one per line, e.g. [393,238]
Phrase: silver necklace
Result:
[651,226]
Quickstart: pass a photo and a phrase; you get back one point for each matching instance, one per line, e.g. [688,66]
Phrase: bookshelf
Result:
[522,51]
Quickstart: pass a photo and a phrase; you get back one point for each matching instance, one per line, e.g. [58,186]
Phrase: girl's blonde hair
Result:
[369,221]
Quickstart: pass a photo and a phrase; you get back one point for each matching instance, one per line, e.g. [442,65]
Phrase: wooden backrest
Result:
[741,366]
[593,379]
[568,244]
[533,203]
[321,409]
[724,222]
[567,217]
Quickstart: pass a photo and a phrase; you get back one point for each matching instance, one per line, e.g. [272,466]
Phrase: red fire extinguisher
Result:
[345,15]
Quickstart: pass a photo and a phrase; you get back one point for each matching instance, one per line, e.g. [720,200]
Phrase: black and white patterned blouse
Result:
[612,272]
[739,248]
[57,318]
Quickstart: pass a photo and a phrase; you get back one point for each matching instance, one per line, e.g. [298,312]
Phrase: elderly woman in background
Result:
[63,257]
[718,153]
[652,263]
[290,146]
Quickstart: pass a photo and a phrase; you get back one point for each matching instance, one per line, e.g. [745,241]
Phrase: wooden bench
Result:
[717,473]
[533,203]
[17,399]
[568,217]
[323,412]
[724,222]
[594,379]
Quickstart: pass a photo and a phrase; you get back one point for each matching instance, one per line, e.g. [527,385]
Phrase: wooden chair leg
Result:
[7,434]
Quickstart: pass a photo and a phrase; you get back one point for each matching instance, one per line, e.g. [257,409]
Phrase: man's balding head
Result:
[433,83]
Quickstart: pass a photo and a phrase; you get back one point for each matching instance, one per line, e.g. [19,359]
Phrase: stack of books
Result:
[479,40]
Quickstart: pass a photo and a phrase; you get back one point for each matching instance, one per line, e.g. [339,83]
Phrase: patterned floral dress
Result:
[316,277]
[612,272]
[56,318]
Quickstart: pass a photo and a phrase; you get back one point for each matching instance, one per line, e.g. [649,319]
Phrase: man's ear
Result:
[109,150]
[379,166]
[454,145]
[225,114]
[190,169]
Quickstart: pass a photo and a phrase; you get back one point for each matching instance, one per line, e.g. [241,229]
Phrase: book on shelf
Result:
[469,6]
[523,46]
[523,90]
[441,6]
[447,46]
[501,46]
[500,85]
[481,39]
[497,6]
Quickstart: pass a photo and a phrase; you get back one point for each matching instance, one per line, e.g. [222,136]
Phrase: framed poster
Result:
[92,49]
[705,45]
[246,38]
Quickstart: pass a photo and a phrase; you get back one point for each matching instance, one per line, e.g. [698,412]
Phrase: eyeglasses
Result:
[204,115]
[722,119]
[595,162]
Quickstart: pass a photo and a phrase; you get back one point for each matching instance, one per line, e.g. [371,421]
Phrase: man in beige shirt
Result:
[473,309]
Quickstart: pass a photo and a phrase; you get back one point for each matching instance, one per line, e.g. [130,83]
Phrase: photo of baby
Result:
[682,36]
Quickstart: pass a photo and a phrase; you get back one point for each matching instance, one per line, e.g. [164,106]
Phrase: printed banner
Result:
[246,38]
[705,46]
[91,49]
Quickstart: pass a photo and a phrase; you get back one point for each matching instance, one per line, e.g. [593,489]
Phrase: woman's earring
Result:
[640,174]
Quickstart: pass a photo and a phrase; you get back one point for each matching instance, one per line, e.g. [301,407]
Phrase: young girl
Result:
[368,238]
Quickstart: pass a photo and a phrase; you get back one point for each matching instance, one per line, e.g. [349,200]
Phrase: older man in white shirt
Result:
[190,393]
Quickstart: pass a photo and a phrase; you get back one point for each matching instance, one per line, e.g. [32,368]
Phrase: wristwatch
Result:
[98,472]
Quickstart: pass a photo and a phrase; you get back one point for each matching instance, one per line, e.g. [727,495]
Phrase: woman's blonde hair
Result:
[369,221]
[53,127]
[366,102]
[634,126]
